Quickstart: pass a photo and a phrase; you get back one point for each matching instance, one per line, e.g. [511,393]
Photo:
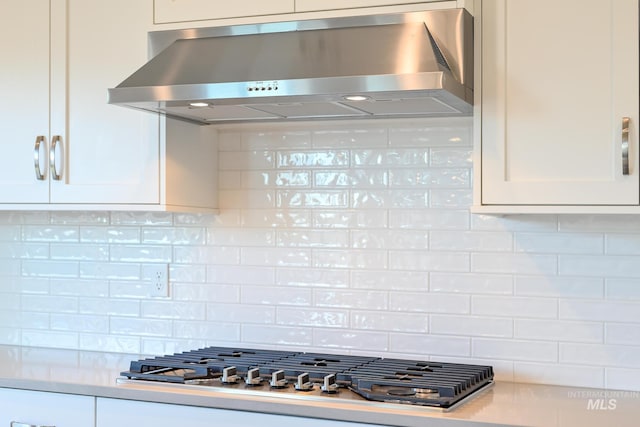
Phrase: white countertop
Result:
[510,404]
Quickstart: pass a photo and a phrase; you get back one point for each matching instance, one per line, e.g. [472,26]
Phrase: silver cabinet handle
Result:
[36,157]
[625,146]
[18,424]
[52,158]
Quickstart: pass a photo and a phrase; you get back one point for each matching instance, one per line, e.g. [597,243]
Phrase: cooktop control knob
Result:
[229,375]
[278,380]
[329,384]
[303,383]
[253,377]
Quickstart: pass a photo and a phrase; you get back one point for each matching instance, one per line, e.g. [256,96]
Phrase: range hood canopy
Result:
[404,65]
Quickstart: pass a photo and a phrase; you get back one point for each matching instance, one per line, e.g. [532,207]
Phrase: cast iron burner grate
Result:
[412,382]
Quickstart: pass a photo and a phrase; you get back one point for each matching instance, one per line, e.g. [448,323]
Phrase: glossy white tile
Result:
[350,236]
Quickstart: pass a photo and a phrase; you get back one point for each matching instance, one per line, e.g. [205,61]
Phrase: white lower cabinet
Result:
[118,413]
[36,408]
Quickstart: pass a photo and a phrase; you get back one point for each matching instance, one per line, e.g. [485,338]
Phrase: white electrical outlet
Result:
[159,275]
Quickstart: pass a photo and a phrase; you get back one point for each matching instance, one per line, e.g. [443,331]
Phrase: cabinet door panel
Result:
[311,5]
[557,80]
[24,100]
[111,154]
[46,409]
[198,10]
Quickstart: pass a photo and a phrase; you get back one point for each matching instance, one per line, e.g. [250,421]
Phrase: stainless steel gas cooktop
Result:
[414,382]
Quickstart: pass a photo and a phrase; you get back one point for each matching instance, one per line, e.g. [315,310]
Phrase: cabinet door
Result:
[46,409]
[312,5]
[24,100]
[118,413]
[558,77]
[108,154]
[197,10]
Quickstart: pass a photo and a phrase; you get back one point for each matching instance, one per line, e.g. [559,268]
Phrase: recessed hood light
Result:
[198,104]
[356,98]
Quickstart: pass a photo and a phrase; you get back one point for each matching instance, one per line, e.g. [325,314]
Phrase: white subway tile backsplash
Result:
[78,252]
[364,259]
[207,331]
[626,289]
[561,287]
[79,323]
[9,233]
[559,330]
[514,307]
[509,263]
[49,303]
[351,339]
[351,236]
[393,322]
[276,256]
[140,327]
[471,283]
[348,138]
[429,219]
[276,335]
[599,223]
[429,303]
[622,333]
[623,356]
[42,268]
[240,313]
[173,310]
[349,219]
[390,280]
[513,349]
[475,326]
[322,317]
[429,261]
[554,243]
[530,223]
[471,241]
[371,300]
[271,295]
[123,235]
[604,311]
[599,266]
[312,277]
[430,345]
[622,379]
[99,342]
[246,160]
[559,374]
[450,198]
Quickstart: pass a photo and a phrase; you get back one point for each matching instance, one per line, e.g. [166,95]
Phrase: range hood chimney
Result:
[404,65]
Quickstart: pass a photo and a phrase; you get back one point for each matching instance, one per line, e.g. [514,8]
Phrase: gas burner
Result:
[414,382]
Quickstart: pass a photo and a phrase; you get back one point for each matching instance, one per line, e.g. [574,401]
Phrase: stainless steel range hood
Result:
[405,65]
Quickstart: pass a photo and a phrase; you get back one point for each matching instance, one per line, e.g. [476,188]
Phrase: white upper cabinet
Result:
[60,57]
[24,104]
[110,154]
[558,80]
[167,11]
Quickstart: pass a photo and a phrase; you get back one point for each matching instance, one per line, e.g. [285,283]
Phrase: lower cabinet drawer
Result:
[45,409]
[118,413]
